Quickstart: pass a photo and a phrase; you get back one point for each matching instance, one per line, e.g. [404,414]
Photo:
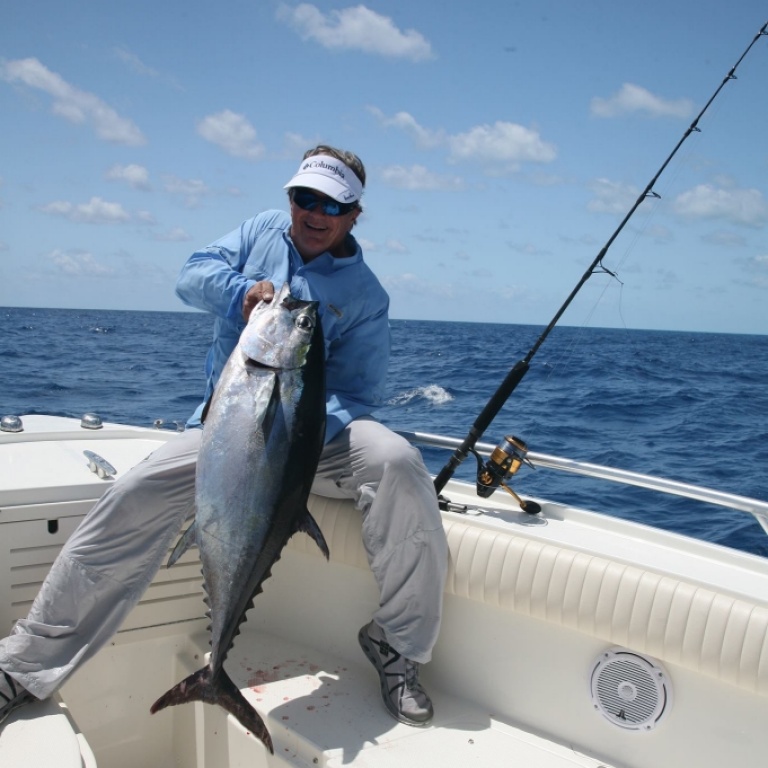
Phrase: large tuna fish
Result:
[263,435]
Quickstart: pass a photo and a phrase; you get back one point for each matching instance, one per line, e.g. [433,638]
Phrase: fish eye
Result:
[304,323]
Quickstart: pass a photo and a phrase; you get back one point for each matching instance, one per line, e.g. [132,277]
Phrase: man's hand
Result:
[263,291]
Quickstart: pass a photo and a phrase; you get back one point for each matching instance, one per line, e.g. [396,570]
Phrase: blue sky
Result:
[504,142]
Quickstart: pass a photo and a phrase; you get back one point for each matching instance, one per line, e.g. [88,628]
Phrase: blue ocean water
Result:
[686,406]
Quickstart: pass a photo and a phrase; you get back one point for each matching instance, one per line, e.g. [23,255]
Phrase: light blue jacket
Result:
[353,309]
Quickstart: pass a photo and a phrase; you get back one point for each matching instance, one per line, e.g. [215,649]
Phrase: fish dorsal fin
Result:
[308,525]
[188,539]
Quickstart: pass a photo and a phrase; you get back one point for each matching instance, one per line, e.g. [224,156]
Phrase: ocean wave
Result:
[649,401]
[431,393]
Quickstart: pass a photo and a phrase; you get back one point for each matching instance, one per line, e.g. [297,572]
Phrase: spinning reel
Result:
[505,460]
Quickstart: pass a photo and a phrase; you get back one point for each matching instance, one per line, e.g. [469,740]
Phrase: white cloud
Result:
[367,245]
[396,246]
[95,211]
[611,196]
[409,283]
[175,235]
[79,264]
[500,148]
[506,143]
[357,28]
[137,66]
[760,264]
[134,63]
[658,233]
[745,207]
[725,239]
[756,270]
[633,98]
[146,217]
[418,177]
[295,145]
[232,133]
[529,249]
[135,176]
[541,178]
[189,189]
[74,105]
[404,121]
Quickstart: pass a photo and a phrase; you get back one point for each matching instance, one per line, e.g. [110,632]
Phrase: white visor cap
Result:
[330,176]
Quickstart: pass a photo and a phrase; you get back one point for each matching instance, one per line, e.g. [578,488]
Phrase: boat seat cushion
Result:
[676,621]
[43,734]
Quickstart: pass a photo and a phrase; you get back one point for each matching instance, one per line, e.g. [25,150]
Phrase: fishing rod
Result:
[511,453]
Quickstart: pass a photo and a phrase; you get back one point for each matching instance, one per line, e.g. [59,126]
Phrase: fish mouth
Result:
[257,364]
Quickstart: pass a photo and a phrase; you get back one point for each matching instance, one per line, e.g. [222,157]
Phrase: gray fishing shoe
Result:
[403,697]
[12,695]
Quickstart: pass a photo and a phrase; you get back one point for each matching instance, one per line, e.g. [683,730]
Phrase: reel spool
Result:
[505,460]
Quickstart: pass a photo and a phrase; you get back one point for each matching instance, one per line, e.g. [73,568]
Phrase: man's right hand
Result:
[263,291]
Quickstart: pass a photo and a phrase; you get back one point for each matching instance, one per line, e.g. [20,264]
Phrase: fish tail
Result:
[216,688]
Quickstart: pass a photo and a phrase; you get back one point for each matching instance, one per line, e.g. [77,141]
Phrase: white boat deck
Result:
[327,711]
[320,709]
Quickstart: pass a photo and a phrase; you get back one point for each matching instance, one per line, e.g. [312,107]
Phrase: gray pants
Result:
[110,560]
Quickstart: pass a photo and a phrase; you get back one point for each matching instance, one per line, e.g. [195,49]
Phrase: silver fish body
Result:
[263,435]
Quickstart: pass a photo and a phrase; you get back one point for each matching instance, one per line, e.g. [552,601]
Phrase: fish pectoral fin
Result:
[206,408]
[308,525]
[188,539]
[269,413]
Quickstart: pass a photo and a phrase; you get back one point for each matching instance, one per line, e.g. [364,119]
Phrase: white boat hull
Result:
[673,629]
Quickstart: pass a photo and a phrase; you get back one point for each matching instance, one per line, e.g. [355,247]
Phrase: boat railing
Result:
[758,509]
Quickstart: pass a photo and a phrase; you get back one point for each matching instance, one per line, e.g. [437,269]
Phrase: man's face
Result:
[313,231]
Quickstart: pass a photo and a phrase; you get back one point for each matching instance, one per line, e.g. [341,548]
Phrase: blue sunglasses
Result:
[308,200]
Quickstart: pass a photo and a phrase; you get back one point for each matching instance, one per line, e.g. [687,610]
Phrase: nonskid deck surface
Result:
[323,710]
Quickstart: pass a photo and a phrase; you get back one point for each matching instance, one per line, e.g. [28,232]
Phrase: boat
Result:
[570,638]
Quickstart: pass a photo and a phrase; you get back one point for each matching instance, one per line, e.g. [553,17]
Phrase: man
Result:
[111,558]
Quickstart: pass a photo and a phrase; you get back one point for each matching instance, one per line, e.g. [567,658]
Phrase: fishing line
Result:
[511,452]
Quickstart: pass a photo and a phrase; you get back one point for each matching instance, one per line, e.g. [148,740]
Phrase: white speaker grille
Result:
[630,690]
